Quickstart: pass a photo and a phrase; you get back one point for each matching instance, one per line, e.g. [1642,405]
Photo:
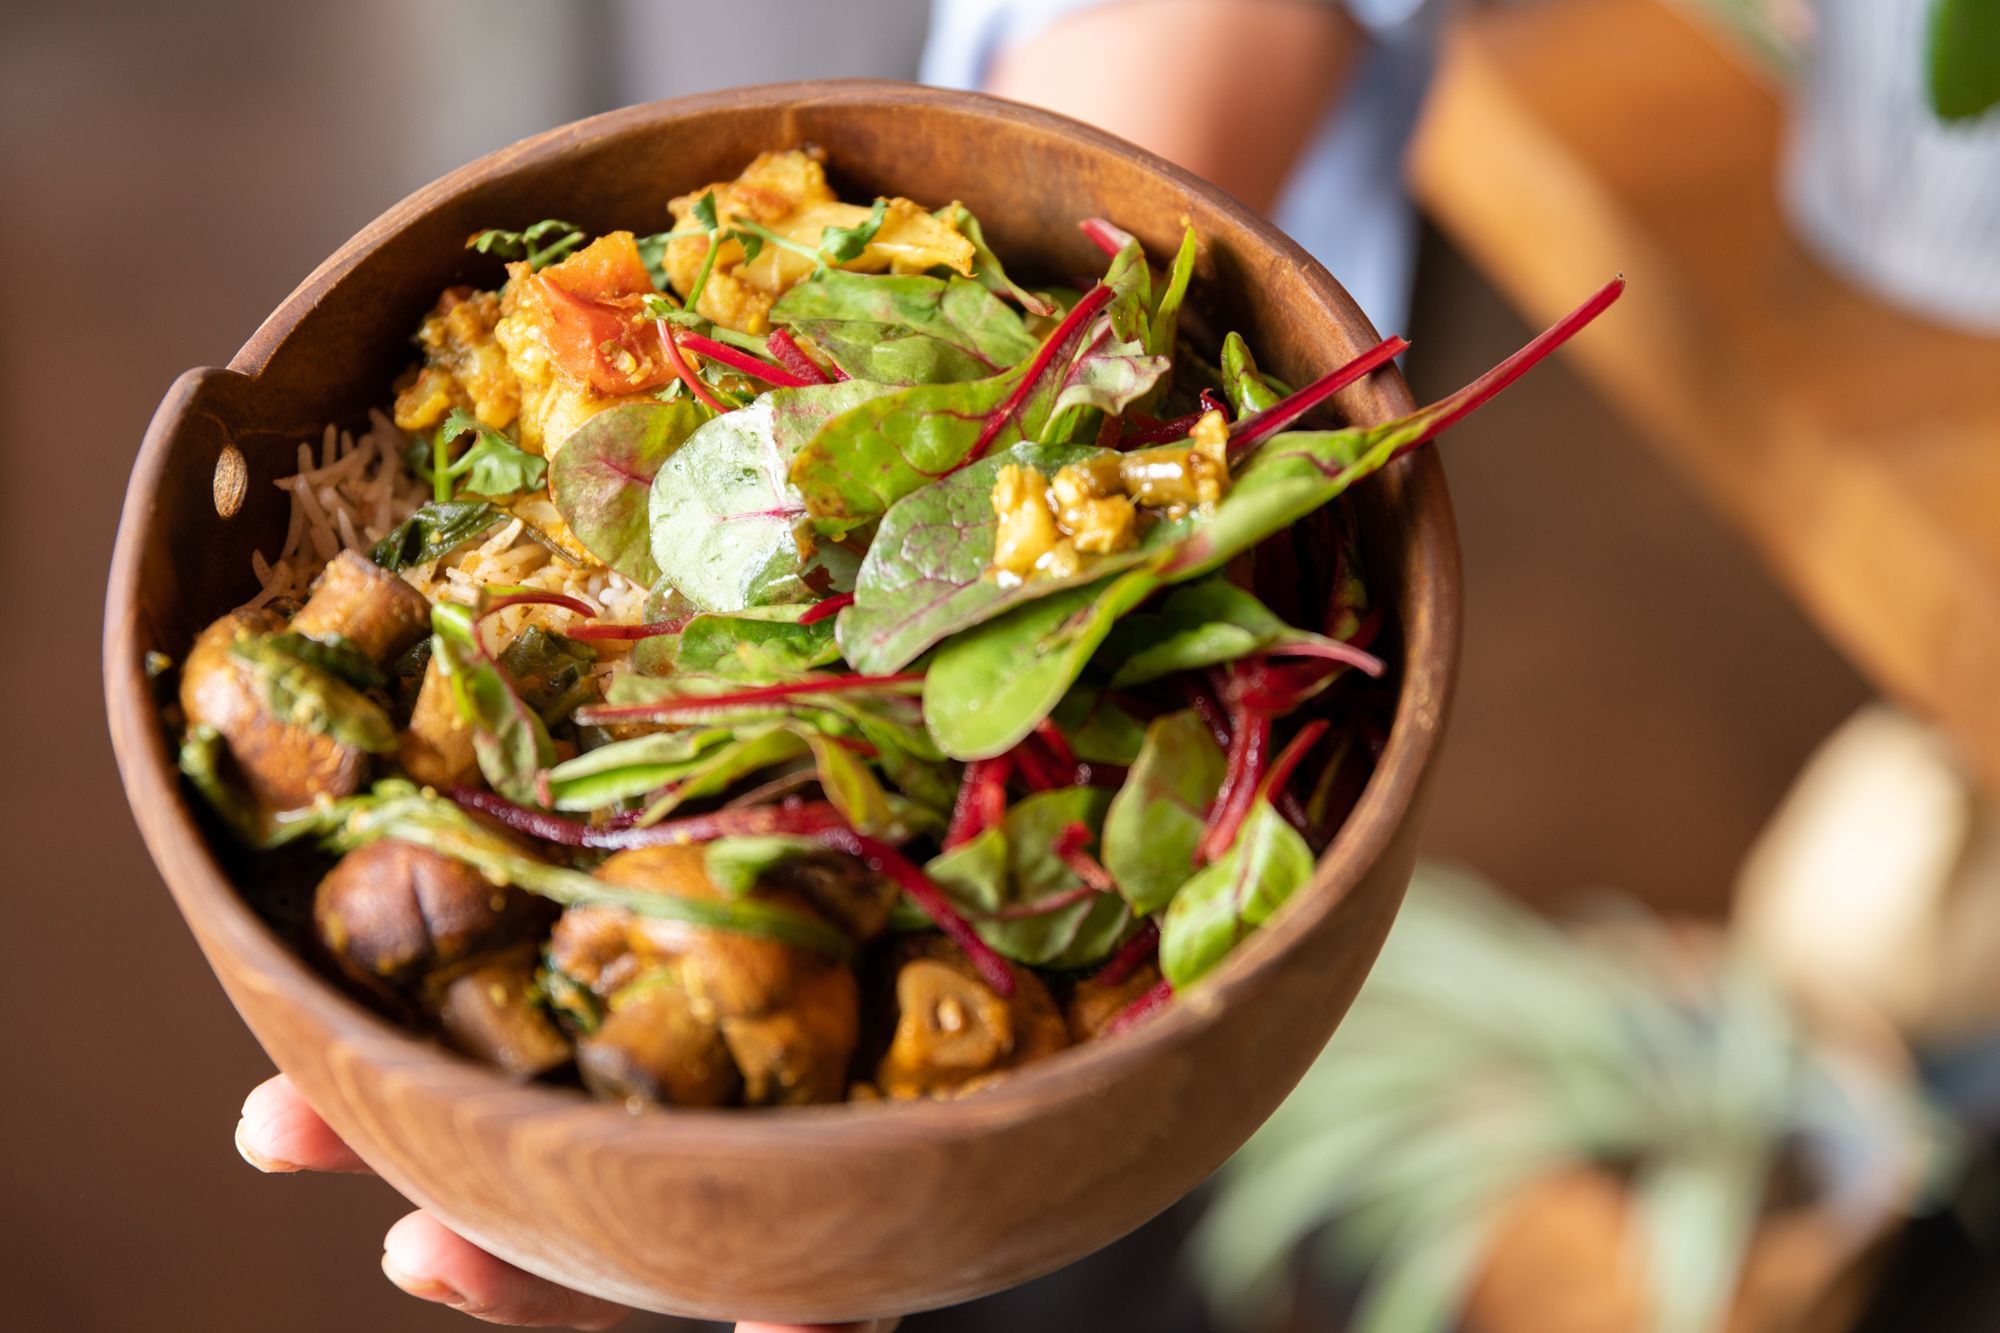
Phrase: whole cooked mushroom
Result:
[953,1033]
[426,934]
[699,1015]
[374,610]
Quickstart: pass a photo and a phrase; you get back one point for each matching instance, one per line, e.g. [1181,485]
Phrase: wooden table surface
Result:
[1857,448]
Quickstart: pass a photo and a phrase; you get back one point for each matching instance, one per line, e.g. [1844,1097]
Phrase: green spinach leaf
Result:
[1201,625]
[906,329]
[1228,899]
[1157,817]
[508,738]
[1001,877]
[433,531]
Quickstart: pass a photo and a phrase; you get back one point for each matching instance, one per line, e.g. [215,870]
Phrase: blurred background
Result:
[1696,548]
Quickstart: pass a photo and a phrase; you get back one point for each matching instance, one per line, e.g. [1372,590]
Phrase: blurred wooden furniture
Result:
[1857,448]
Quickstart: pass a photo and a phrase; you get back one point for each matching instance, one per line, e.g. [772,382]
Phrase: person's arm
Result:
[1233,90]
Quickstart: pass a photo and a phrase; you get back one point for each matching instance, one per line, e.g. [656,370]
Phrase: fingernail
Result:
[423,1288]
[268,1165]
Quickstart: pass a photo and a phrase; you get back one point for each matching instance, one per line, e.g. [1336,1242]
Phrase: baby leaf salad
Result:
[1007,648]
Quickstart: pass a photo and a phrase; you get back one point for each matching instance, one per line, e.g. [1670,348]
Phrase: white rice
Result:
[358,488]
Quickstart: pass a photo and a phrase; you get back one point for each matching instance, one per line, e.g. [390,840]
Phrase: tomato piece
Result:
[592,311]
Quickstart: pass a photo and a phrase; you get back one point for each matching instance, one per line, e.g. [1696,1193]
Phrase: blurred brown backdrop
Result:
[1636,694]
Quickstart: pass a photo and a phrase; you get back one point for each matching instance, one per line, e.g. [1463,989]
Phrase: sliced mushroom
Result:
[436,748]
[953,1032]
[284,764]
[652,1047]
[372,608]
[781,1020]
[488,1010]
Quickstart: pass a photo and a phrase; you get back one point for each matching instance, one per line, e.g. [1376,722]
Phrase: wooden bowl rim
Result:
[170,830]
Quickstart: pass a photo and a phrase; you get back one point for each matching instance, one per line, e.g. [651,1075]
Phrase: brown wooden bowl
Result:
[821,1213]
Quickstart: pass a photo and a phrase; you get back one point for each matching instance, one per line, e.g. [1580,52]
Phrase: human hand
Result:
[279,1133]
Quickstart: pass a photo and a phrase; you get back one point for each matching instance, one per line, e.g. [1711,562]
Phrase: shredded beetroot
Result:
[1248,755]
[792,357]
[1132,955]
[982,800]
[1057,344]
[1106,236]
[575,605]
[1285,411]
[647,631]
[1144,1007]
[1069,850]
[684,373]
[831,606]
[883,859]
[665,709]
[739,360]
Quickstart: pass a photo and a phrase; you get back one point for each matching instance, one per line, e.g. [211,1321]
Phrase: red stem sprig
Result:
[1069,849]
[533,597]
[830,606]
[1132,955]
[804,818]
[786,351]
[742,362]
[646,631]
[982,800]
[1142,1008]
[685,373]
[1056,345]
[1261,426]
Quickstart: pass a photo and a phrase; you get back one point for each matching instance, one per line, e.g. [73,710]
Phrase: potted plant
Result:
[1893,169]
[1620,1128]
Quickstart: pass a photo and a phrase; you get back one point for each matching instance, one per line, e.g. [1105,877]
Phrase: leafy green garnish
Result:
[602,479]
[843,244]
[1157,817]
[550,672]
[201,761]
[433,531]
[600,778]
[336,655]
[541,244]
[508,737]
[1247,390]
[725,522]
[758,646]
[653,254]
[1204,624]
[905,328]
[986,268]
[1000,879]
[494,465]
[305,695]
[1229,898]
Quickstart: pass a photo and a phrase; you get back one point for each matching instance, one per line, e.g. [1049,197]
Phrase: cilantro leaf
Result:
[541,245]
[841,244]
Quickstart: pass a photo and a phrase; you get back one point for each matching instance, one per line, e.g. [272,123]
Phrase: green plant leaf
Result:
[924,576]
[840,245]
[306,695]
[986,268]
[1157,817]
[727,528]
[549,671]
[601,481]
[336,655]
[715,771]
[508,738]
[1203,624]
[435,530]
[988,687]
[738,865]
[599,778]
[1963,57]
[1229,898]
[1107,377]
[906,329]
[1098,730]
[1164,330]
[1013,866]
[1247,390]
[541,244]
[758,646]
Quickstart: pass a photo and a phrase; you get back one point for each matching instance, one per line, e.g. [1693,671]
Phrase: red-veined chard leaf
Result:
[603,476]
[728,530]
[1226,900]
[1201,625]
[1097,729]
[1000,878]
[756,646]
[923,576]
[1247,389]
[623,769]
[906,328]
[1164,329]
[508,738]
[1157,817]
[865,460]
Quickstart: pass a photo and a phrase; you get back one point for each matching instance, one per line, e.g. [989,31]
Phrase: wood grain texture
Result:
[822,1213]
[1853,444]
